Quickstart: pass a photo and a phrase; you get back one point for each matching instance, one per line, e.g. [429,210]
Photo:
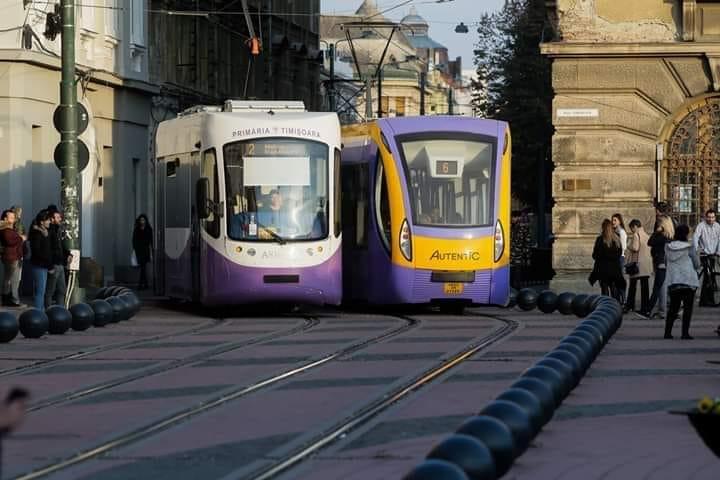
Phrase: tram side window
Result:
[382,205]
[177,193]
[208,169]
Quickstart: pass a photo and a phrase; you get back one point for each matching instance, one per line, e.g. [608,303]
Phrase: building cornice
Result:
[629,50]
[99,77]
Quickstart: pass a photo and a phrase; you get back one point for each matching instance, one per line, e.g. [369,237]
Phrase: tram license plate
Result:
[453,288]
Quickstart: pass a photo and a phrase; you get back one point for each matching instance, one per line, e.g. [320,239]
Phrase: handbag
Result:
[632,268]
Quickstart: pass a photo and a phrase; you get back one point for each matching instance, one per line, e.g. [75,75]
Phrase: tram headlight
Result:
[499,240]
[406,240]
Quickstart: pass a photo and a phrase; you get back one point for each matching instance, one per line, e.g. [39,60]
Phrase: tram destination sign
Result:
[287,149]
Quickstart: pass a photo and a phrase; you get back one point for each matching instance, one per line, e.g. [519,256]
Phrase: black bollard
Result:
[582,355]
[82,316]
[33,323]
[495,435]
[547,301]
[570,359]
[118,307]
[579,305]
[563,369]
[436,470]
[551,378]
[527,299]
[512,415]
[468,453]
[529,403]
[564,303]
[103,312]
[584,345]
[102,293]
[59,319]
[592,330]
[9,327]
[542,392]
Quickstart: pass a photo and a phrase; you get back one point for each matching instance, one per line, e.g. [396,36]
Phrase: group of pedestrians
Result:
[670,254]
[40,248]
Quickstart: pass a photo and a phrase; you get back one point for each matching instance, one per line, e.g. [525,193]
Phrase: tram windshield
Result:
[449,180]
[277,189]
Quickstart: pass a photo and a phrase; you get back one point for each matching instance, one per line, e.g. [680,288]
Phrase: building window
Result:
[385,105]
[400,106]
[87,17]
[112,18]
[691,170]
[137,30]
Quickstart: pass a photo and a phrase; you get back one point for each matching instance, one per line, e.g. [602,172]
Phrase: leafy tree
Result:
[513,84]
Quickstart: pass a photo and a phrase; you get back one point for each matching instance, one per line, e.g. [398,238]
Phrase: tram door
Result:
[159,274]
[177,228]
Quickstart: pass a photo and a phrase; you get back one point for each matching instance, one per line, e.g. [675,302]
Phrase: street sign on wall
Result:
[577,112]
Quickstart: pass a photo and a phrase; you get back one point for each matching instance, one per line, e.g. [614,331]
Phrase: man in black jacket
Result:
[56,284]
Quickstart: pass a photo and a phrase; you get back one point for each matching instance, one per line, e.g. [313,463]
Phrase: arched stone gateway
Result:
[691,170]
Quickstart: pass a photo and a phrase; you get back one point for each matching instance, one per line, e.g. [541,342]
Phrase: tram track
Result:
[308,323]
[176,418]
[318,442]
[46,363]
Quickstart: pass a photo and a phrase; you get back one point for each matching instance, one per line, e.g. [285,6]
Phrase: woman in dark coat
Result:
[41,256]
[143,245]
[606,253]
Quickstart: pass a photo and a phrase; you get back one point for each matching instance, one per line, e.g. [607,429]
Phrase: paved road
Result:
[203,376]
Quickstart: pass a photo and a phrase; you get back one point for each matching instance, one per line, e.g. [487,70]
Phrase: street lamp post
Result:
[332,49]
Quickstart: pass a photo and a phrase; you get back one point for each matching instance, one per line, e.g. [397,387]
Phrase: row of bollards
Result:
[111,305]
[485,446]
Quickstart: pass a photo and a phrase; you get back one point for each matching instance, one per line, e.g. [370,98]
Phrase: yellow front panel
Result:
[504,198]
[453,254]
[395,196]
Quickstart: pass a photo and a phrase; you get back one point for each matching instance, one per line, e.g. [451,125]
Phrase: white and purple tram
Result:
[248,198]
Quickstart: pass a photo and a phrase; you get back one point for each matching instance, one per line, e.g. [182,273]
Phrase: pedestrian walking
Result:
[706,241]
[681,280]
[663,234]
[638,267]
[56,284]
[142,241]
[607,253]
[12,254]
[40,257]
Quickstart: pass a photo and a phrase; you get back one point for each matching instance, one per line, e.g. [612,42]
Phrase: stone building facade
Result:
[636,112]
[113,85]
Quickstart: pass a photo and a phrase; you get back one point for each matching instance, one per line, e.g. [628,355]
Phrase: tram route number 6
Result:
[446,168]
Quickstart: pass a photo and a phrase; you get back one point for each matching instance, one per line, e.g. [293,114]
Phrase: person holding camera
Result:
[638,266]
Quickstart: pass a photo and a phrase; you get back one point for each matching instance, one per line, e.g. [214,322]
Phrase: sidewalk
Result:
[614,425]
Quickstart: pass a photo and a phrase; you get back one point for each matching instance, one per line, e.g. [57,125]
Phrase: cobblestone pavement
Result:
[167,361]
